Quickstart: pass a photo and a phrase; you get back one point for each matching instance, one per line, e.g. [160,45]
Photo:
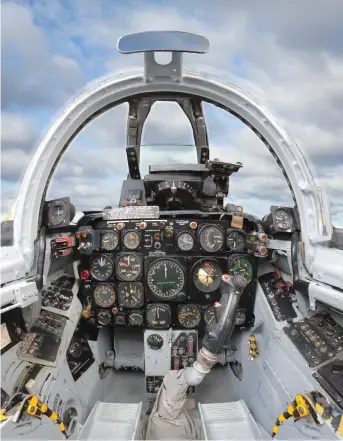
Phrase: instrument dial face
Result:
[158,316]
[101,267]
[129,267]
[120,319]
[109,240]
[235,241]
[130,295]
[189,316]
[283,220]
[211,238]
[155,341]
[104,317]
[207,275]
[136,318]
[131,240]
[166,278]
[104,295]
[185,241]
[240,317]
[209,315]
[241,265]
[57,212]
[75,349]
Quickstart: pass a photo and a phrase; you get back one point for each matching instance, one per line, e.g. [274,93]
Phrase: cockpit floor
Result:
[220,385]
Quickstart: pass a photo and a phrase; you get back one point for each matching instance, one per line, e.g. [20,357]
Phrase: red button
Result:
[85,274]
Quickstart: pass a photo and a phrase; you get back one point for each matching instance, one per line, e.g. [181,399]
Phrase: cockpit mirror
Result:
[163,41]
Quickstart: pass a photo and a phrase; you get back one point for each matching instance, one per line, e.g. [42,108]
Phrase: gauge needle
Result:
[165,270]
[157,314]
[128,259]
[102,262]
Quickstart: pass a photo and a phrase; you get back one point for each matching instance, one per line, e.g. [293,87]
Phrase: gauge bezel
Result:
[155,296]
[135,311]
[119,257]
[107,311]
[201,230]
[122,303]
[290,219]
[245,256]
[181,233]
[151,306]
[189,305]
[112,286]
[98,256]
[243,235]
[115,233]
[198,287]
[124,233]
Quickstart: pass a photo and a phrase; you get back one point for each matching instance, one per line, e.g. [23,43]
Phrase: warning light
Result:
[142,225]
[193,225]
[85,274]
[262,250]
[124,203]
[120,226]
[157,236]
[226,277]
[84,234]
[263,237]
[114,310]
[169,233]
[77,235]
[161,225]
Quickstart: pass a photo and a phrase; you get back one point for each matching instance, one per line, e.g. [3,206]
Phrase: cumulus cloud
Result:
[288,56]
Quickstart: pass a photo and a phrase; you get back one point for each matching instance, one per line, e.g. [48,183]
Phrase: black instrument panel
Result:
[168,268]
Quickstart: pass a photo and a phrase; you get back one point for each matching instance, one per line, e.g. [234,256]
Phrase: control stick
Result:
[169,418]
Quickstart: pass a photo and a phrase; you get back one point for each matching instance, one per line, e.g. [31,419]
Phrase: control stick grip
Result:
[218,332]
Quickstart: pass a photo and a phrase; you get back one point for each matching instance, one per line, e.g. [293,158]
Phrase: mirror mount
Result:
[175,42]
[139,110]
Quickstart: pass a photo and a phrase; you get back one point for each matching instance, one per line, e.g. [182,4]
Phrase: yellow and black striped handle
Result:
[297,409]
[252,346]
[36,408]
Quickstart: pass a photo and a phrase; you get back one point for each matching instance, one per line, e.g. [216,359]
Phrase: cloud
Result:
[32,75]
[288,56]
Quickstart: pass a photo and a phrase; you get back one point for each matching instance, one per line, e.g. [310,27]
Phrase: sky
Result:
[289,55]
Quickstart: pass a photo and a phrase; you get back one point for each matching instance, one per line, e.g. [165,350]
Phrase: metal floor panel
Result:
[112,421]
[229,421]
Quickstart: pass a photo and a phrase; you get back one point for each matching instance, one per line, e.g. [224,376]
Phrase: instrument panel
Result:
[166,273]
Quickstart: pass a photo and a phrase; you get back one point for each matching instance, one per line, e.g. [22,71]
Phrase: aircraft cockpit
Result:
[174,313]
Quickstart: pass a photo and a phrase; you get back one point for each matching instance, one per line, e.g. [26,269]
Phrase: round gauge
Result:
[185,241]
[158,316]
[75,349]
[189,316]
[235,241]
[207,275]
[241,265]
[57,212]
[155,341]
[131,240]
[209,315]
[109,240]
[130,295]
[119,319]
[129,267]
[101,267]
[211,238]
[283,220]
[240,317]
[136,318]
[104,317]
[166,278]
[104,295]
